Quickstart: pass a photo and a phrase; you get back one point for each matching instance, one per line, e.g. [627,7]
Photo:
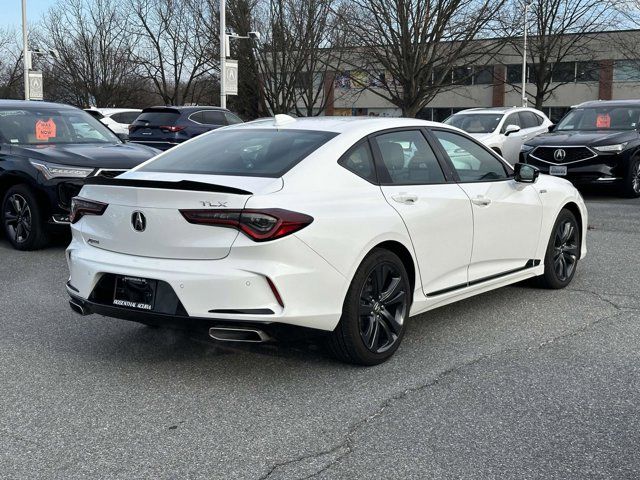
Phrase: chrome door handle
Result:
[481,201]
[406,198]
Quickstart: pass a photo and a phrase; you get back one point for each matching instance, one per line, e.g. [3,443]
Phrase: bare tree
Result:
[11,71]
[559,31]
[405,50]
[172,50]
[95,64]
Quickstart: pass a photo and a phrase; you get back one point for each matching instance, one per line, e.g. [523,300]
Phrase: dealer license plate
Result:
[558,170]
[134,292]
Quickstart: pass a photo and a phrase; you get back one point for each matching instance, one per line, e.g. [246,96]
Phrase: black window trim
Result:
[384,179]
[508,168]
[353,147]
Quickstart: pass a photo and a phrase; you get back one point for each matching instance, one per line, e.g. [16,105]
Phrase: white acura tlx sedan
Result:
[342,225]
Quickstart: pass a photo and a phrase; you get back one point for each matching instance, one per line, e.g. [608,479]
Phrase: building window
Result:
[514,73]
[588,72]
[462,75]
[626,71]
[483,75]
[564,72]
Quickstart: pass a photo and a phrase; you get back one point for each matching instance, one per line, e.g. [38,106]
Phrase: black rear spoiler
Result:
[181,185]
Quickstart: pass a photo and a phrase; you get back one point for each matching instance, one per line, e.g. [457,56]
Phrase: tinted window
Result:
[528,120]
[483,75]
[408,158]
[214,117]
[197,117]
[47,126]
[158,118]
[475,122]
[125,117]
[513,119]
[472,162]
[243,152]
[564,72]
[359,161]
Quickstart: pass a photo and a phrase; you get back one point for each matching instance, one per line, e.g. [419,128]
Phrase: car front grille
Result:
[554,154]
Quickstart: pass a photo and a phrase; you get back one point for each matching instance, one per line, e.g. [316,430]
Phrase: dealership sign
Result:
[231,77]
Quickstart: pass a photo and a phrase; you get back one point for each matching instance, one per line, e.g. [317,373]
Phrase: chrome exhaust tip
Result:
[79,309]
[238,334]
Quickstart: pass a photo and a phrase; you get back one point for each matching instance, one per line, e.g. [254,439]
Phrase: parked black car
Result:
[594,143]
[165,127]
[46,152]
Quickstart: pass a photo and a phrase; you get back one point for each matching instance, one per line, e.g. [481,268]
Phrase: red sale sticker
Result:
[45,130]
[603,121]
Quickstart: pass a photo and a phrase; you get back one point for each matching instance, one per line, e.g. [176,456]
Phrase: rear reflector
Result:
[259,225]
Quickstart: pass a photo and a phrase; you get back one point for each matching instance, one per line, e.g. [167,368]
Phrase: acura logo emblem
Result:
[138,221]
[559,155]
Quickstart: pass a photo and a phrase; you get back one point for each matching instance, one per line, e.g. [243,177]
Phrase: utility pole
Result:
[524,56]
[223,53]
[25,50]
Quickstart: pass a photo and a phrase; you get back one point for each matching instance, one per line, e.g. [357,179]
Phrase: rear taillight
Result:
[171,128]
[259,225]
[82,206]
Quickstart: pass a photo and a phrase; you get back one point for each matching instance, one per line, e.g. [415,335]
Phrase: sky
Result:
[11,15]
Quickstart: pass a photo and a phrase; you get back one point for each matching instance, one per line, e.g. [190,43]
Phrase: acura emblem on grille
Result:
[559,155]
[138,221]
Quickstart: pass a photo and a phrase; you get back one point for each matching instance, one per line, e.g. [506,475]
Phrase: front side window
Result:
[513,119]
[471,161]
[51,126]
[243,152]
[528,119]
[600,118]
[408,158]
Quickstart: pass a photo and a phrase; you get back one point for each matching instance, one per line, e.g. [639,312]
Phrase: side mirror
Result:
[552,128]
[525,173]
[123,136]
[511,129]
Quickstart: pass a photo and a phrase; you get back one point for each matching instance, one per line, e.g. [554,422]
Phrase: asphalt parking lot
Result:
[518,383]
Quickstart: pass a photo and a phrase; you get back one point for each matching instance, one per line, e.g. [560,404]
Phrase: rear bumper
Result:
[311,290]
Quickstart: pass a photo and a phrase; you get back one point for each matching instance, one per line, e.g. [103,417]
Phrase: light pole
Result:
[223,53]
[25,50]
[524,56]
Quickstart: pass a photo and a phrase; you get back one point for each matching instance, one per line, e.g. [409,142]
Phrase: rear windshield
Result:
[37,126]
[157,118]
[245,152]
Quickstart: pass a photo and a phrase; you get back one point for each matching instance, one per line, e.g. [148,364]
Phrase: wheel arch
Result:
[405,256]
[9,180]
[575,209]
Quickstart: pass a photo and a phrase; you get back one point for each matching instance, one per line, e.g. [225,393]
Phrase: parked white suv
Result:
[503,129]
[117,119]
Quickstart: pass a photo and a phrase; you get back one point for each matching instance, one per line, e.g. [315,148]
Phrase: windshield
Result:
[243,152]
[600,118]
[475,122]
[35,126]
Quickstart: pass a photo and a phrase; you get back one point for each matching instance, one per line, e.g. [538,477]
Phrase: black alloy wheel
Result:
[631,183]
[563,252]
[375,311]
[21,218]
[383,307]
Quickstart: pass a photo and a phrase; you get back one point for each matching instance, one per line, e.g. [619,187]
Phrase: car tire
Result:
[563,252]
[375,311]
[631,182]
[22,219]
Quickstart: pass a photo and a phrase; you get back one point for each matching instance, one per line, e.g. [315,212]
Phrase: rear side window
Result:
[214,117]
[158,118]
[360,161]
[528,120]
[242,152]
[232,119]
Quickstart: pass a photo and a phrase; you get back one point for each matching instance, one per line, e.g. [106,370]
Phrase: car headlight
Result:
[618,147]
[526,148]
[53,170]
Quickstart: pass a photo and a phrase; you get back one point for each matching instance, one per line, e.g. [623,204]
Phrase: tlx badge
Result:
[213,204]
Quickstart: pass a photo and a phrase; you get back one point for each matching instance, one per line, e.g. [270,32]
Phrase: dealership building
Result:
[600,69]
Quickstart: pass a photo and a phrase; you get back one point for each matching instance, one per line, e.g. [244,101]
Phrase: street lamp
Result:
[25,50]
[524,56]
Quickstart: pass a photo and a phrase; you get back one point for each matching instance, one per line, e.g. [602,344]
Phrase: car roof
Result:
[31,104]
[186,109]
[363,125]
[498,110]
[609,103]
[111,111]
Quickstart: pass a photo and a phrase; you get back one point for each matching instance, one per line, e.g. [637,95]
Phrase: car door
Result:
[514,140]
[507,215]
[436,211]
